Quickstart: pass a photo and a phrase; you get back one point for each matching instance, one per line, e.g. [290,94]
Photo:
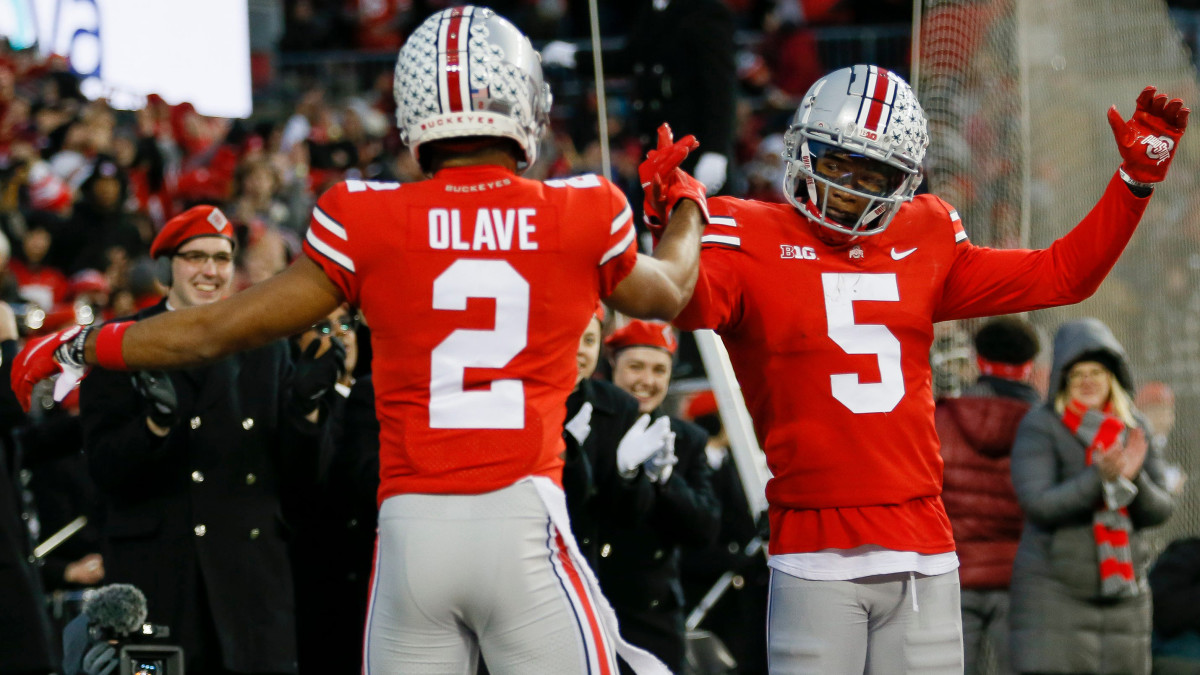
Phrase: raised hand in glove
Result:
[661,464]
[317,371]
[159,401]
[640,443]
[663,184]
[59,354]
[1148,140]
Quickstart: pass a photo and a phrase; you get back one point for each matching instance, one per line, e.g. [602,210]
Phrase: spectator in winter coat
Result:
[1089,484]
[977,432]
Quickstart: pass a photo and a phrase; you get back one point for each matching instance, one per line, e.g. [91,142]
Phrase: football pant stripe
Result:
[619,247]
[329,223]
[371,595]
[595,643]
[625,216]
[329,252]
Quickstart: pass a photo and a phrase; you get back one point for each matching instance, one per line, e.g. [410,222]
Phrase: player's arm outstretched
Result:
[660,285]
[989,281]
[280,306]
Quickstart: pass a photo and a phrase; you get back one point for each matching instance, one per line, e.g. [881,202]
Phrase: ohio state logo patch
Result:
[1158,148]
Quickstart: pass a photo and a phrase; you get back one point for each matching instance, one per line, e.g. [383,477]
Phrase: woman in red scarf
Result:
[1089,484]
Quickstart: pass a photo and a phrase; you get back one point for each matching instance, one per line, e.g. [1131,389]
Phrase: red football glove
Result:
[654,171]
[1148,140]
[40,359]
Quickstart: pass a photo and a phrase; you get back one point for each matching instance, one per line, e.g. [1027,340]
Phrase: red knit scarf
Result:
[1098,431]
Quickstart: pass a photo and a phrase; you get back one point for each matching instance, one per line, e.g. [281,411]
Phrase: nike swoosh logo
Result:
[900,255]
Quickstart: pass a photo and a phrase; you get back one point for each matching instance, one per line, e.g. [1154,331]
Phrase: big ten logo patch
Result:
[797,252]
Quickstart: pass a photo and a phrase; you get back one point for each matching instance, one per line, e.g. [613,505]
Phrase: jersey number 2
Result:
[503,405]
[841,290]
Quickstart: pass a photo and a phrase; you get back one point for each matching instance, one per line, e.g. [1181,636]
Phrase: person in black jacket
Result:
[1175,583]
[192,468]
[607,441]
[639,565]
[27,642]
[680,55]
[333,552]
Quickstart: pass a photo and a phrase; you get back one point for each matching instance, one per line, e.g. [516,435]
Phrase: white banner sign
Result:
[124,50]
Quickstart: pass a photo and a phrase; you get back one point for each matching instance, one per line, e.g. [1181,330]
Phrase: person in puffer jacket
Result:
[977,431]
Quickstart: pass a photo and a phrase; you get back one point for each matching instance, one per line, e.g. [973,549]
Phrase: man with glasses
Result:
[193,469]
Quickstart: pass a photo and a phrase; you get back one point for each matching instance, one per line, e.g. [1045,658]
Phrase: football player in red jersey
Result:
[476,284]
[827,306]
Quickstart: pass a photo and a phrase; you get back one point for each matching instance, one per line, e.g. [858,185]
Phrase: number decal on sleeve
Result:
[503,405]
[841,290]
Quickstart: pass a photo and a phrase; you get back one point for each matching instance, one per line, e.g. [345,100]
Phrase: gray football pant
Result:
[456,574]
[889,624]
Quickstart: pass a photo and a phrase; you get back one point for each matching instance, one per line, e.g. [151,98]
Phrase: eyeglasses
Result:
[1087,373]
[199,258]
[346,324]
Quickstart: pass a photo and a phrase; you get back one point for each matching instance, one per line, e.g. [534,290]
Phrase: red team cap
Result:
[89,281]
[704,403]
[198,221]
[599,313]
[639,333]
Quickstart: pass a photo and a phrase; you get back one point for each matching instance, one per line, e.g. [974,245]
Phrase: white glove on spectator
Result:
[640,443]
[581,424]
[710,170]
[662,463]
[559,53]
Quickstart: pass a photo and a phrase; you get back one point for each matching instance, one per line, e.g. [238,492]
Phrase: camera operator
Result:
[192,468]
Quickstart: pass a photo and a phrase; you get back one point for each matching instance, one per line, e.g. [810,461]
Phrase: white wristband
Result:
[1134,183]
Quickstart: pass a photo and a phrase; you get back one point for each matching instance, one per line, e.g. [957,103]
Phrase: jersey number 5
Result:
[841,290]
[503,405]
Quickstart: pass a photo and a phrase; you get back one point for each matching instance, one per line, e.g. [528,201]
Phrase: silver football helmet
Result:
[862,116]
[467,71]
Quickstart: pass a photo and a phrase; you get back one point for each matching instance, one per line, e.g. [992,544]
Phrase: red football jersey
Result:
[476,285]
[831,348]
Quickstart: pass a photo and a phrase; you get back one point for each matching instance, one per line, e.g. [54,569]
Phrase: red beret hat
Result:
[599,313]
[703,403]
[639,333]
[198,221]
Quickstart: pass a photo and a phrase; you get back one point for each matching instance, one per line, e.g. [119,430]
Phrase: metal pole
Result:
[736,419]
[601,102]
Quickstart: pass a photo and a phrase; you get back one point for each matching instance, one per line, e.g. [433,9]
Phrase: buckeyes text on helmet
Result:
[467,72]
[868,113]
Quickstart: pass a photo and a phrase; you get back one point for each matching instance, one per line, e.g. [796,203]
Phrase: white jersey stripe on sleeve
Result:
[721,239]
[623,217]
[329,251]
[961,235]
[329,223]
[726,221]
[619,247]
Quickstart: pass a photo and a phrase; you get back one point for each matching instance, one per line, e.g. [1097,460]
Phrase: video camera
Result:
[111,637]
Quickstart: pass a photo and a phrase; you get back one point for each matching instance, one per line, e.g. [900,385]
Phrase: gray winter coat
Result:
[1060,624]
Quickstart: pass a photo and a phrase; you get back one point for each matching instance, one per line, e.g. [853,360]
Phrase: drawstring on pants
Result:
[912,586]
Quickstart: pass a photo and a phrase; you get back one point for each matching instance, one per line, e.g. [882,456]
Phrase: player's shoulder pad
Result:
[343,195]
[582,181]
[928,209]
[728,218]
